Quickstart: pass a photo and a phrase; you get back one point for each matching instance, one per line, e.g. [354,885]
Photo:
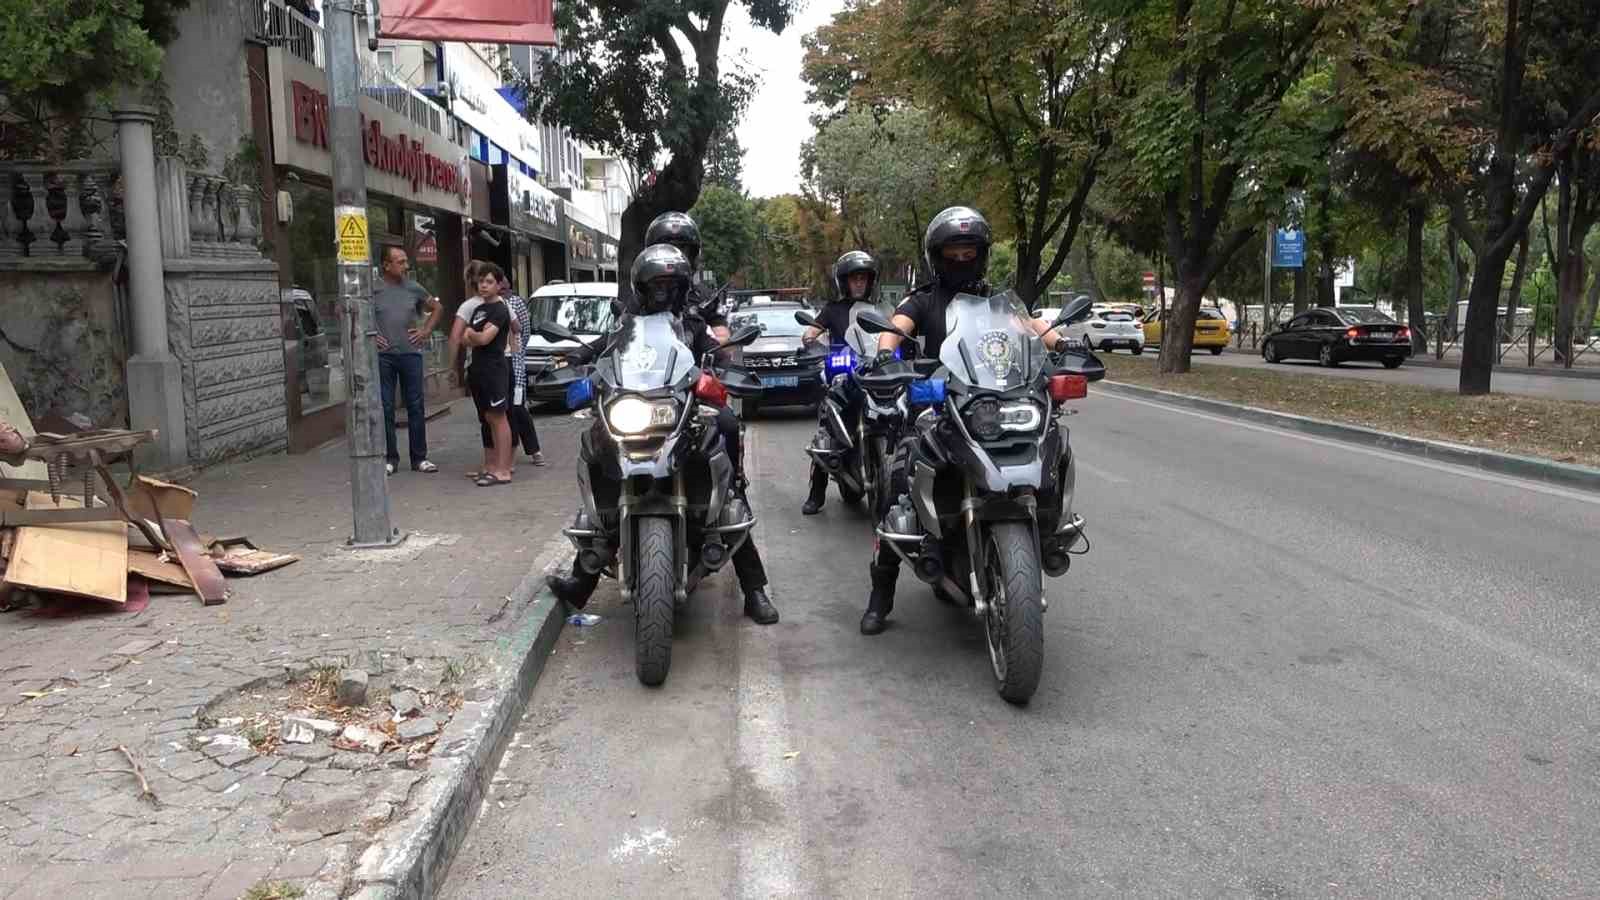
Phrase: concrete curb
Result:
[1549,472]
[412,856]
[1591,373]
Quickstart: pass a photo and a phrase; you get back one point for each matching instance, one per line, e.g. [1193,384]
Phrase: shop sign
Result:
[480,105]
[534,208]
[397,155]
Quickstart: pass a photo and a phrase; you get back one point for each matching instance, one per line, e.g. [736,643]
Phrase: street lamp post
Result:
[369,488]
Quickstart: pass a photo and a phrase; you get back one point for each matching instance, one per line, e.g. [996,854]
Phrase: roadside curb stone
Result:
[1547,471]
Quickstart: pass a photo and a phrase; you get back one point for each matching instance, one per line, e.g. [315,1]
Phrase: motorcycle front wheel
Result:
[1014,622]
[653,601]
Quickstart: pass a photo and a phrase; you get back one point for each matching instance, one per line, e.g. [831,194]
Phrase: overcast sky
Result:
[778,119]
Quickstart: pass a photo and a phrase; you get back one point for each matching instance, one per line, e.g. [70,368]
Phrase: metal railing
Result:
[284,26]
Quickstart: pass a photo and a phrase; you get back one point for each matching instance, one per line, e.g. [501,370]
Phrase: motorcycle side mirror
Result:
[806,318]
[554,331]
[1074,310]
[740,383]
[745,335]
[872,322]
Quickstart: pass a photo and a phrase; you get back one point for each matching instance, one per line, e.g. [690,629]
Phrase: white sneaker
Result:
[388,468]
[425,467]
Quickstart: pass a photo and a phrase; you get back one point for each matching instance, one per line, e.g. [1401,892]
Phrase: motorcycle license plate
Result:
[781,380]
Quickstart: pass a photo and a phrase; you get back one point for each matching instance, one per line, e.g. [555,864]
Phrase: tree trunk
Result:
[1301,301]
[1575,218]
[1325,295]
[1586,317]
[1161,283]
[675,189]
[1416,311]
[1508,326]
[1177,335]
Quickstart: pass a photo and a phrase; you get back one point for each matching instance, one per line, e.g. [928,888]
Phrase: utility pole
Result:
[1266,280]
[369,486]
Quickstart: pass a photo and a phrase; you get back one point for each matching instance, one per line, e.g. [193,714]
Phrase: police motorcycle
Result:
[986,507]
[660,511]
[856,457]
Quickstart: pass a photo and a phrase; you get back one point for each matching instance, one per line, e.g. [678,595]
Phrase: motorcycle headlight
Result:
[988,418]
[631,415]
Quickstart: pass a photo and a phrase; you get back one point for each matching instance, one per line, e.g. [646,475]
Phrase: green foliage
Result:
[66,54]
[886,174]
[650,83]
[725,160]
[728,228]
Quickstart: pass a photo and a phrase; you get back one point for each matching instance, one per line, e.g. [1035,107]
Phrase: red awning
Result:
[489,21]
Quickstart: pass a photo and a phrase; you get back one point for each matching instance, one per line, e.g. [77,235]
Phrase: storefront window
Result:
[315,277]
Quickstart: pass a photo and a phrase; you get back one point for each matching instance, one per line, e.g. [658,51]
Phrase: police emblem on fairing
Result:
[641,358]
[997,351]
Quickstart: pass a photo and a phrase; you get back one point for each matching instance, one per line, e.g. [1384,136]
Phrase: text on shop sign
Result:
[399,156]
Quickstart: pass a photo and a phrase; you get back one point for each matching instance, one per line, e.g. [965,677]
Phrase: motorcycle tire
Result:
[653,601]
[1014,622]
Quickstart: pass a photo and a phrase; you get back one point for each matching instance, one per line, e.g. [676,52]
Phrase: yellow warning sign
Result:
[351,226]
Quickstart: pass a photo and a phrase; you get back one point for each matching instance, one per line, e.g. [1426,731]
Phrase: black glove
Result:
[883,358]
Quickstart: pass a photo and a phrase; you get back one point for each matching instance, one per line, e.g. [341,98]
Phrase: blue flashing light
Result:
[580,393]
[927,392]
[840,362]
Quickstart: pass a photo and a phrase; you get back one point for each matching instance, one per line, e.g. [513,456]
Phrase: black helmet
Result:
[851,263]
[957,225]
[677,229]
[660,261]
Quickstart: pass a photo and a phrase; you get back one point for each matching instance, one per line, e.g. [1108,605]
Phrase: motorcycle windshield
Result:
[650,352]
[862,344]
[989,342]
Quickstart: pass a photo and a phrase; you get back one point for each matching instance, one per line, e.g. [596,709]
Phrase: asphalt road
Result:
[1288,667]
[1554,388]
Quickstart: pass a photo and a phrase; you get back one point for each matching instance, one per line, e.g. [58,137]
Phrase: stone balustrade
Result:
[224,217]
[59,211]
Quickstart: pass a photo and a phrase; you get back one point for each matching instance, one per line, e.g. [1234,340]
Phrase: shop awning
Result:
[489,21]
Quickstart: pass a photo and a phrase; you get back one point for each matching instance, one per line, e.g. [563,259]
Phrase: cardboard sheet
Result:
[86,560]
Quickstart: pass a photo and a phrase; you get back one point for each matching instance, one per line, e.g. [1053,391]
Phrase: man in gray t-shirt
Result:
[397,301]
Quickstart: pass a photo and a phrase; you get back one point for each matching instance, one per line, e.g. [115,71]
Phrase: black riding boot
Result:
[819,491]
[575,589]
[881,603]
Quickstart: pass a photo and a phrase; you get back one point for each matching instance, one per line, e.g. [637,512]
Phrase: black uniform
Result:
[834,318]
[697,320]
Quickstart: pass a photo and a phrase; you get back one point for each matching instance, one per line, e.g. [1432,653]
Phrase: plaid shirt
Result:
[518,354]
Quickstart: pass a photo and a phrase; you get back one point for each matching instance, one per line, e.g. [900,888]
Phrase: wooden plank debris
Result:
[87,560]
[202,569]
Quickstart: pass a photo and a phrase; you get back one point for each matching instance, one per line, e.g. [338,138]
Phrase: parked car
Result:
[585,308]
[786,379]
[314,371]
[1210,329]
[1335,335]
[1108,329]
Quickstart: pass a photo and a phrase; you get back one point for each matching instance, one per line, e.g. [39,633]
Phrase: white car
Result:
[1109,329]
[585,308]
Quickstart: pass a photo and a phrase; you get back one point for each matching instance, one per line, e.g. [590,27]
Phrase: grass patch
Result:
[1562,430]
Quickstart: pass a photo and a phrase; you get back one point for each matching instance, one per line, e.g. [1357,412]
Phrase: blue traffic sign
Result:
[1289,248]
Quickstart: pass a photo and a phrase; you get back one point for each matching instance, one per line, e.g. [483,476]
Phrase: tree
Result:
[1512,95]
[649,87]
[1216,118]
[725,160]
[887,175]
[1029,108]
[62,57]
[728,229]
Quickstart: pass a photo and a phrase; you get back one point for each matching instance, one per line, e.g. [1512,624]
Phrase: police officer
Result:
[855,278]
[956,246]
[705,327]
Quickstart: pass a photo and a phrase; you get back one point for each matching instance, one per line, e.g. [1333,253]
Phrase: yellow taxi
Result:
[1210,329]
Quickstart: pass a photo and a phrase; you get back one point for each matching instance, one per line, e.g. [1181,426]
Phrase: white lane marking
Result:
[768,852]
[1345,447]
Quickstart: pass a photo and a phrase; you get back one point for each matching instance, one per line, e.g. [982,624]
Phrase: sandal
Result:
[491,481]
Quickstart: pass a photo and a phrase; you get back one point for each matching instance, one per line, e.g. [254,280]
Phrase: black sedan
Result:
[777,358]
[1335,335]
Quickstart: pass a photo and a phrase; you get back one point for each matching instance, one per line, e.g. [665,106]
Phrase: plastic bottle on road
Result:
[583,620]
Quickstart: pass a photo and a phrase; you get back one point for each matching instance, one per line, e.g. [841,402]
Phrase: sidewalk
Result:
[196,694]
